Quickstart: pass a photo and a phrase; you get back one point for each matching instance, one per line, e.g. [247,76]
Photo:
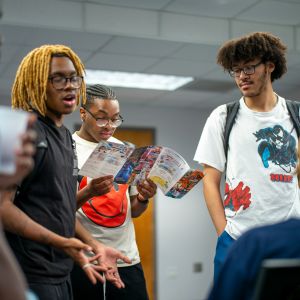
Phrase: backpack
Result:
[233,107]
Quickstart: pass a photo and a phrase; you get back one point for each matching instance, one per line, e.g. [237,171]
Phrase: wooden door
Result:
[144,225]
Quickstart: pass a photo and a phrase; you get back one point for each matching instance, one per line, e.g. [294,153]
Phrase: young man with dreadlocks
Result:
[100,117]
[261,183]
[40,223]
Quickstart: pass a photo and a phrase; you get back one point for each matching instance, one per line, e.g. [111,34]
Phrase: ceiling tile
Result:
[43,13]
[119,62]
[181,67]
[137,96]
[137,51]
[212,8]
[286,33]
[15,35]
[142,4]
[73,39]
[290,78]
[140,47]
[197,52]
[218,74]
[187,99]
[8,53]
[290,1]
[273,12]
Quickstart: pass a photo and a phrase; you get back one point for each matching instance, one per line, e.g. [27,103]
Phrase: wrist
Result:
[56,241]
[9,188]
[141,199]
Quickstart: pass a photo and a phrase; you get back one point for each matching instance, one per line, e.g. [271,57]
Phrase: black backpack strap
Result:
[293,109]
[232,109]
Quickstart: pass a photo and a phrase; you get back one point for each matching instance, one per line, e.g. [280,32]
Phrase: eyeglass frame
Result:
[108,120]
[233,73]
[50,78]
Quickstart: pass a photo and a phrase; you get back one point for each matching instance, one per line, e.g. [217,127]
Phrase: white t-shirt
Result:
[121,238]
[261,183]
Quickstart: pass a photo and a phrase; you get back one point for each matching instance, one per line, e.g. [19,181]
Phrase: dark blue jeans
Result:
[223,244]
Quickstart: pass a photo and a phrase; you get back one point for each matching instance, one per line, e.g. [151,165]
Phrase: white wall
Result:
[184,232]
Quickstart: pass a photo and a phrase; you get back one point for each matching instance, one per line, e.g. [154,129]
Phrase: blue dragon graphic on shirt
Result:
[278,146]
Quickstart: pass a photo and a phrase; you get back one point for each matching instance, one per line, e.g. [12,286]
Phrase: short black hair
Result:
[98,91]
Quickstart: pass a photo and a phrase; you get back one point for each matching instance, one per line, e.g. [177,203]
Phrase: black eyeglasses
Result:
[248,70]
[59,82]
[102,122]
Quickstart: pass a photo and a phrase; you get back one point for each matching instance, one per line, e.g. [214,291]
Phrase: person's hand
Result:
[108,259]
[147,189]
[24,157]
[77,250]
[95,187]
[100,186]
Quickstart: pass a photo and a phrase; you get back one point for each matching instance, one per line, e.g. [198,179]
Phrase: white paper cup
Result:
[12,124]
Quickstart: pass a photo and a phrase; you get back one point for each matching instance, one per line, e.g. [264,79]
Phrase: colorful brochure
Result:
[162,165]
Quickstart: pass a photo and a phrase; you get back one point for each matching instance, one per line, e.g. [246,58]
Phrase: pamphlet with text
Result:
[129,165]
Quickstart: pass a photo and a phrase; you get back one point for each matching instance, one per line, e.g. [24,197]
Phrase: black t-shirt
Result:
[50,200]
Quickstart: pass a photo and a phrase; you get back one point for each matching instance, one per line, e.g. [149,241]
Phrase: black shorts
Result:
[45,291]
[132,276]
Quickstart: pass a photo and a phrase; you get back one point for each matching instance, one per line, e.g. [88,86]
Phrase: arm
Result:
[106,257]
[139,202]
[12,281]
[96,187]
[213,199]
[16,221]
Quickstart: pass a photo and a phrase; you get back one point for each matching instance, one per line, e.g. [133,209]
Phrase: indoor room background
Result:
[167,37]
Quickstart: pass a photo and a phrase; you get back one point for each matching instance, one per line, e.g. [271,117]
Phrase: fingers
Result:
[97,259]
[147,188]
[101,185]
[24,165]
[148,184]
[119,282]
[92,273]
[29,137]
[125,258]
[31,119]
[113,276]
[77,244]
[27,149]
[151,183]
[87,266]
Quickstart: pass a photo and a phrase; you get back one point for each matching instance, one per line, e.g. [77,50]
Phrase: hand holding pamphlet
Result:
[162,165]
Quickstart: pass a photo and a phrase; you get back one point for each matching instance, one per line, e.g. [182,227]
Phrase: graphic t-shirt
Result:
[109,224]
[261,184]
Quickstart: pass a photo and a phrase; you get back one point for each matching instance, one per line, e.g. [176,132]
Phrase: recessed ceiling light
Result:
[136,80]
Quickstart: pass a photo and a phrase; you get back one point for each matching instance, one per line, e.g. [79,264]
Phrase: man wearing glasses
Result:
[108,215]
[252,196]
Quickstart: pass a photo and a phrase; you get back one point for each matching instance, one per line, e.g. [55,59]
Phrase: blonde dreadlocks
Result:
[29,88]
